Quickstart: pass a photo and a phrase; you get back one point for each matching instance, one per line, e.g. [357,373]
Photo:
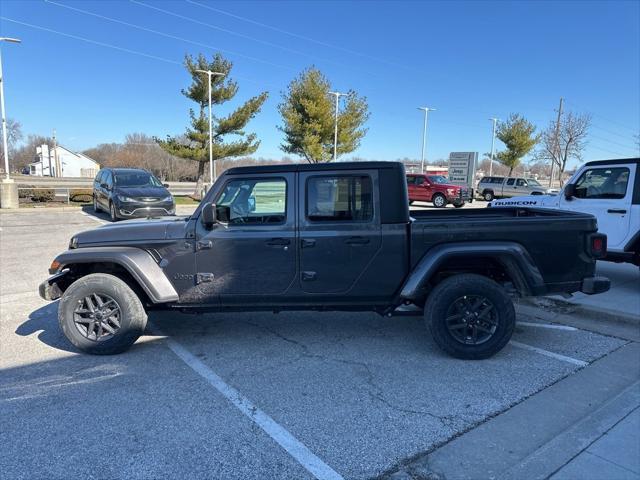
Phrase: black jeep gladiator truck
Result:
[324,237]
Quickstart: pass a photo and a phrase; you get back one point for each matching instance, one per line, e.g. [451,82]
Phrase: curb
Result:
[564,307]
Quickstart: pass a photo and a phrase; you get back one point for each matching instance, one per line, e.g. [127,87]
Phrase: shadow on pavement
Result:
[45,321]
[88,209]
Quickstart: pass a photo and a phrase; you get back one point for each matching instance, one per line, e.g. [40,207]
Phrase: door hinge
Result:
[204,278]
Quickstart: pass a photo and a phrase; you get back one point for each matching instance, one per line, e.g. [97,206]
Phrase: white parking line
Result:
[277,432]
[547,325]
[94,218]
[547,353]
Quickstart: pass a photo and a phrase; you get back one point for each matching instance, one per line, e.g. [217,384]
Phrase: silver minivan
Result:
[505,187]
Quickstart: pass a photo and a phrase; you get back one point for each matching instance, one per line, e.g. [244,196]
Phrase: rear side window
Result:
[492,180]
[344,198]
[511,181]
[603,183]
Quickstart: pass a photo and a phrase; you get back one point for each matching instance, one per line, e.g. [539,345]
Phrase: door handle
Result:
[203,244]
[356,241]
[279,242]
[616,210]
[308,242]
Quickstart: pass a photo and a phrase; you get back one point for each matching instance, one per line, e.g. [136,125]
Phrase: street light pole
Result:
[4,117]
[212,168]
[424,134]
[493,143]
[335,130]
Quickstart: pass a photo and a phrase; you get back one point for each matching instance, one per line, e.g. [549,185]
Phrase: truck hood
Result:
[539,201]
[131,232]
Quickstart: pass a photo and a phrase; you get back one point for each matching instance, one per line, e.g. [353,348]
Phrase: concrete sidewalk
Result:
[615,455]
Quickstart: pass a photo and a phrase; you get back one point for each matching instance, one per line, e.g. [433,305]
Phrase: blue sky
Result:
[469,60]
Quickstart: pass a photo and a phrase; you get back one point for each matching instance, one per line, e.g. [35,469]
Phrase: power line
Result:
[634,130]
[237,34]
[88,40]
[121,49]
[609,151]
[296,35]
[167,35]
[613,142]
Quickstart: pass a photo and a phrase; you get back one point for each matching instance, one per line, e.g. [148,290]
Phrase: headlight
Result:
[124,198]
[168,199]
[73,243]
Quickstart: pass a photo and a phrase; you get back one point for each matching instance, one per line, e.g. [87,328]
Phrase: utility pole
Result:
[335,129]
[212,167]
[557,143]
[55,155]
[424,135]
[493,143]
[8,189]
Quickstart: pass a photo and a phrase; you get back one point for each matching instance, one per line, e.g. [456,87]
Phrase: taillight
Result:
[598,245]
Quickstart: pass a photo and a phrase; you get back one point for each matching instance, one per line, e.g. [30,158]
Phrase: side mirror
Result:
[208,215]
[165,185]
[251,201]
[569,191]
[104,185]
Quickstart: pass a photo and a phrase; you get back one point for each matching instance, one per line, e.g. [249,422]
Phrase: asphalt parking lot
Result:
[244,395]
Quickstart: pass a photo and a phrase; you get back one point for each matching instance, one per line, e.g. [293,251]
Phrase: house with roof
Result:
[62,162]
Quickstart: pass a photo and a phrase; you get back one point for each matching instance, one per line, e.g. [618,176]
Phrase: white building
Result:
[61,162]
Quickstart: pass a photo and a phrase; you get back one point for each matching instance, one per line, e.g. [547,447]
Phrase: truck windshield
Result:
[437,179]
[136,179]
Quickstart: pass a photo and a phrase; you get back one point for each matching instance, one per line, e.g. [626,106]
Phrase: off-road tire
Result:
[439,200]
[488,196]
[444,295]
[133,318]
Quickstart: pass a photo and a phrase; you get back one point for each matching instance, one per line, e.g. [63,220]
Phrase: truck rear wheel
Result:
[470,316]
[100,314]
[488,195]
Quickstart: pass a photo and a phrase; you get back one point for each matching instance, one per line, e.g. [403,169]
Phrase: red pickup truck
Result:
[436,189]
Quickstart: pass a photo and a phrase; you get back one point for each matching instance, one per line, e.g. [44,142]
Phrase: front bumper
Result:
[596,284]
[49,289]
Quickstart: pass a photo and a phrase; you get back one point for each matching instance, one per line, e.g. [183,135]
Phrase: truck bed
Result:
[552,237]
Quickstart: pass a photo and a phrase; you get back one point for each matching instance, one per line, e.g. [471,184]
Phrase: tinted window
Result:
[603,183]
[339,198]
[419,180]
[99,176]
[253,202]
[411,180]
[136,179]
[107,178]
[511,181]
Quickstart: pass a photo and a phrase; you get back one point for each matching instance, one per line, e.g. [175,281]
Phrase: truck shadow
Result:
[44,321]
[88,210]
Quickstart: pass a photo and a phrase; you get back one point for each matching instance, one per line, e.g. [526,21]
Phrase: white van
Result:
[607,189]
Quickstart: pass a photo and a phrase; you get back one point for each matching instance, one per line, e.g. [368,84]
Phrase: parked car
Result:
[607,189]
[334,236]
[129,193]
[501,187]
[437,190]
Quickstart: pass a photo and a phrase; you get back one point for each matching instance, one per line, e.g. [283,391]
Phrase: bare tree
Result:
[566,142]
[14,135]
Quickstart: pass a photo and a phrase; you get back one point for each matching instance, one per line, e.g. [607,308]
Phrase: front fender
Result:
[512,256]
[140,264]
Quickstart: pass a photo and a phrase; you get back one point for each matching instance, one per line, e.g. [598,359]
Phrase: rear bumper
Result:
[593,285]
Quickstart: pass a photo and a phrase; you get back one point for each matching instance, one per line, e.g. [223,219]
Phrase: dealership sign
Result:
[462,168]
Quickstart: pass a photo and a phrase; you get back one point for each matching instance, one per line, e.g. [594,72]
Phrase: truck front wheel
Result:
[470,316]
[439,200]
[100,314]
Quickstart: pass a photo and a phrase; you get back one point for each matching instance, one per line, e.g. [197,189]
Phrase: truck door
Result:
[605,192]
[251,251]
[339,228]
[508,189]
